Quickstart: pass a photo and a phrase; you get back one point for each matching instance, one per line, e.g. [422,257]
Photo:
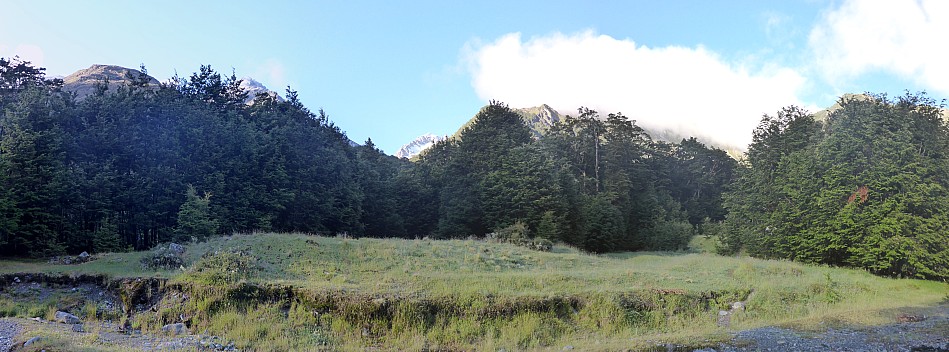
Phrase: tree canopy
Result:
[134,166]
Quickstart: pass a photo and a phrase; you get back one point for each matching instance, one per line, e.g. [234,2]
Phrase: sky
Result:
[394,70]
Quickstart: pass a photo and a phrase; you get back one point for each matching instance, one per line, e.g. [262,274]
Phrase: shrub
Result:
[669,235]
[518,234]
[164,256]
[223,267]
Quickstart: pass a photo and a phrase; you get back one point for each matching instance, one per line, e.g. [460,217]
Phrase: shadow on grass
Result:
[630,255]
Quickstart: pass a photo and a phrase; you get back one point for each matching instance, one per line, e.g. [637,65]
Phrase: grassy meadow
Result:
[293,291]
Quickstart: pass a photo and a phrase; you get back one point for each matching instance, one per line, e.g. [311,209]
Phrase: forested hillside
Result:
[135,164]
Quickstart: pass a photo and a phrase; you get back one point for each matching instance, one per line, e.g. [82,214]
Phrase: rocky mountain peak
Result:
[539,118]
[83,82]
[418,145]
[255,88]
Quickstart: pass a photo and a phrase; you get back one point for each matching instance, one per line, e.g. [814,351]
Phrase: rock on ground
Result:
[67,318]
[175,329]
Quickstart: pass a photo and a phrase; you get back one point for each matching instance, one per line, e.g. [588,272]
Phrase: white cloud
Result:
[273,74]
[904,37]
[691,90]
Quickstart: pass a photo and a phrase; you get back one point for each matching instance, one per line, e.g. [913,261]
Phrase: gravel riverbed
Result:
[930,334]
[8,331]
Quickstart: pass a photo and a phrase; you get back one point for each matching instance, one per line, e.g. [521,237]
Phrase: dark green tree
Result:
[106,237]
[194,218]
[33,174]
[865,189]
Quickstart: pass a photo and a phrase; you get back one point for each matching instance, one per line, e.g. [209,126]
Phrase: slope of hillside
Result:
[280,291]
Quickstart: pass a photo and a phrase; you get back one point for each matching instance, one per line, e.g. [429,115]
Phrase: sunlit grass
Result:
[474,295]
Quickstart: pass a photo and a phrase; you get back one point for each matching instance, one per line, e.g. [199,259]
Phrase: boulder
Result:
[32,341]
[176,248]
[738,305]
[175,329]
[67,318]
[724,318]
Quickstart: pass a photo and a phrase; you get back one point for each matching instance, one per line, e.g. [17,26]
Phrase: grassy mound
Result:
[291,291]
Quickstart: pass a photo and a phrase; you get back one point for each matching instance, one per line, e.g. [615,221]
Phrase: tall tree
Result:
[194,218]
[33,172]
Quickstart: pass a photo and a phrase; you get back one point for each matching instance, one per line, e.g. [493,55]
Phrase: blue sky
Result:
[394,70]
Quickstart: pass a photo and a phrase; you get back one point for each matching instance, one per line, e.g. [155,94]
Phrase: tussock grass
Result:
[299,292]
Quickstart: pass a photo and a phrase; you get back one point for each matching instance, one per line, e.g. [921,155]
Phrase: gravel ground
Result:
[107,335]
[8,331]
[931,334]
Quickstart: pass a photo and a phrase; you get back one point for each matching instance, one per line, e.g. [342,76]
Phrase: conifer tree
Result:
[33,173]
[194,217]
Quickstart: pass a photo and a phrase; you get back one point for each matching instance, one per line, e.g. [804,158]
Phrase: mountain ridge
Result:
[540,118]
[83,82]
[418,145]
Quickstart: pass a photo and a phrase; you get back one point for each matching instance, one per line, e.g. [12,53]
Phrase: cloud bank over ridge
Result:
[690,90]
[695,91]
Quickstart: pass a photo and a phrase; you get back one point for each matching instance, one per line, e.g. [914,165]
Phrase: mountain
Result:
[83,82]
[538,118]
[541,118]
[418,145]
[254,88]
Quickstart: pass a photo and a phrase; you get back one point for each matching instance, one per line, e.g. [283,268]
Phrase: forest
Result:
[138,165]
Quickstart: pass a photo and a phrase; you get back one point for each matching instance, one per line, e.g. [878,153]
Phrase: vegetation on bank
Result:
[293,291]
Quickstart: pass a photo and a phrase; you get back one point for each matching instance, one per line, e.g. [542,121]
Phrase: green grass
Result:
[704,244]
[117,265]
[461,294]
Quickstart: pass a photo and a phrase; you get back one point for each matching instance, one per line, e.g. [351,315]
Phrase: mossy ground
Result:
[298,292]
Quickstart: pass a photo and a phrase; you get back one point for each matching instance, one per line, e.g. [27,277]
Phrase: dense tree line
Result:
[135,165]
[600,184]
[865,187]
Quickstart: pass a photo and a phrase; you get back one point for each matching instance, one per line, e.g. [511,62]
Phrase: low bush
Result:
[518,234]
[164,256]
[223,267]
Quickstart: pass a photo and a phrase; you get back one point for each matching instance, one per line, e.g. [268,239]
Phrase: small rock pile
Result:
[72,260]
